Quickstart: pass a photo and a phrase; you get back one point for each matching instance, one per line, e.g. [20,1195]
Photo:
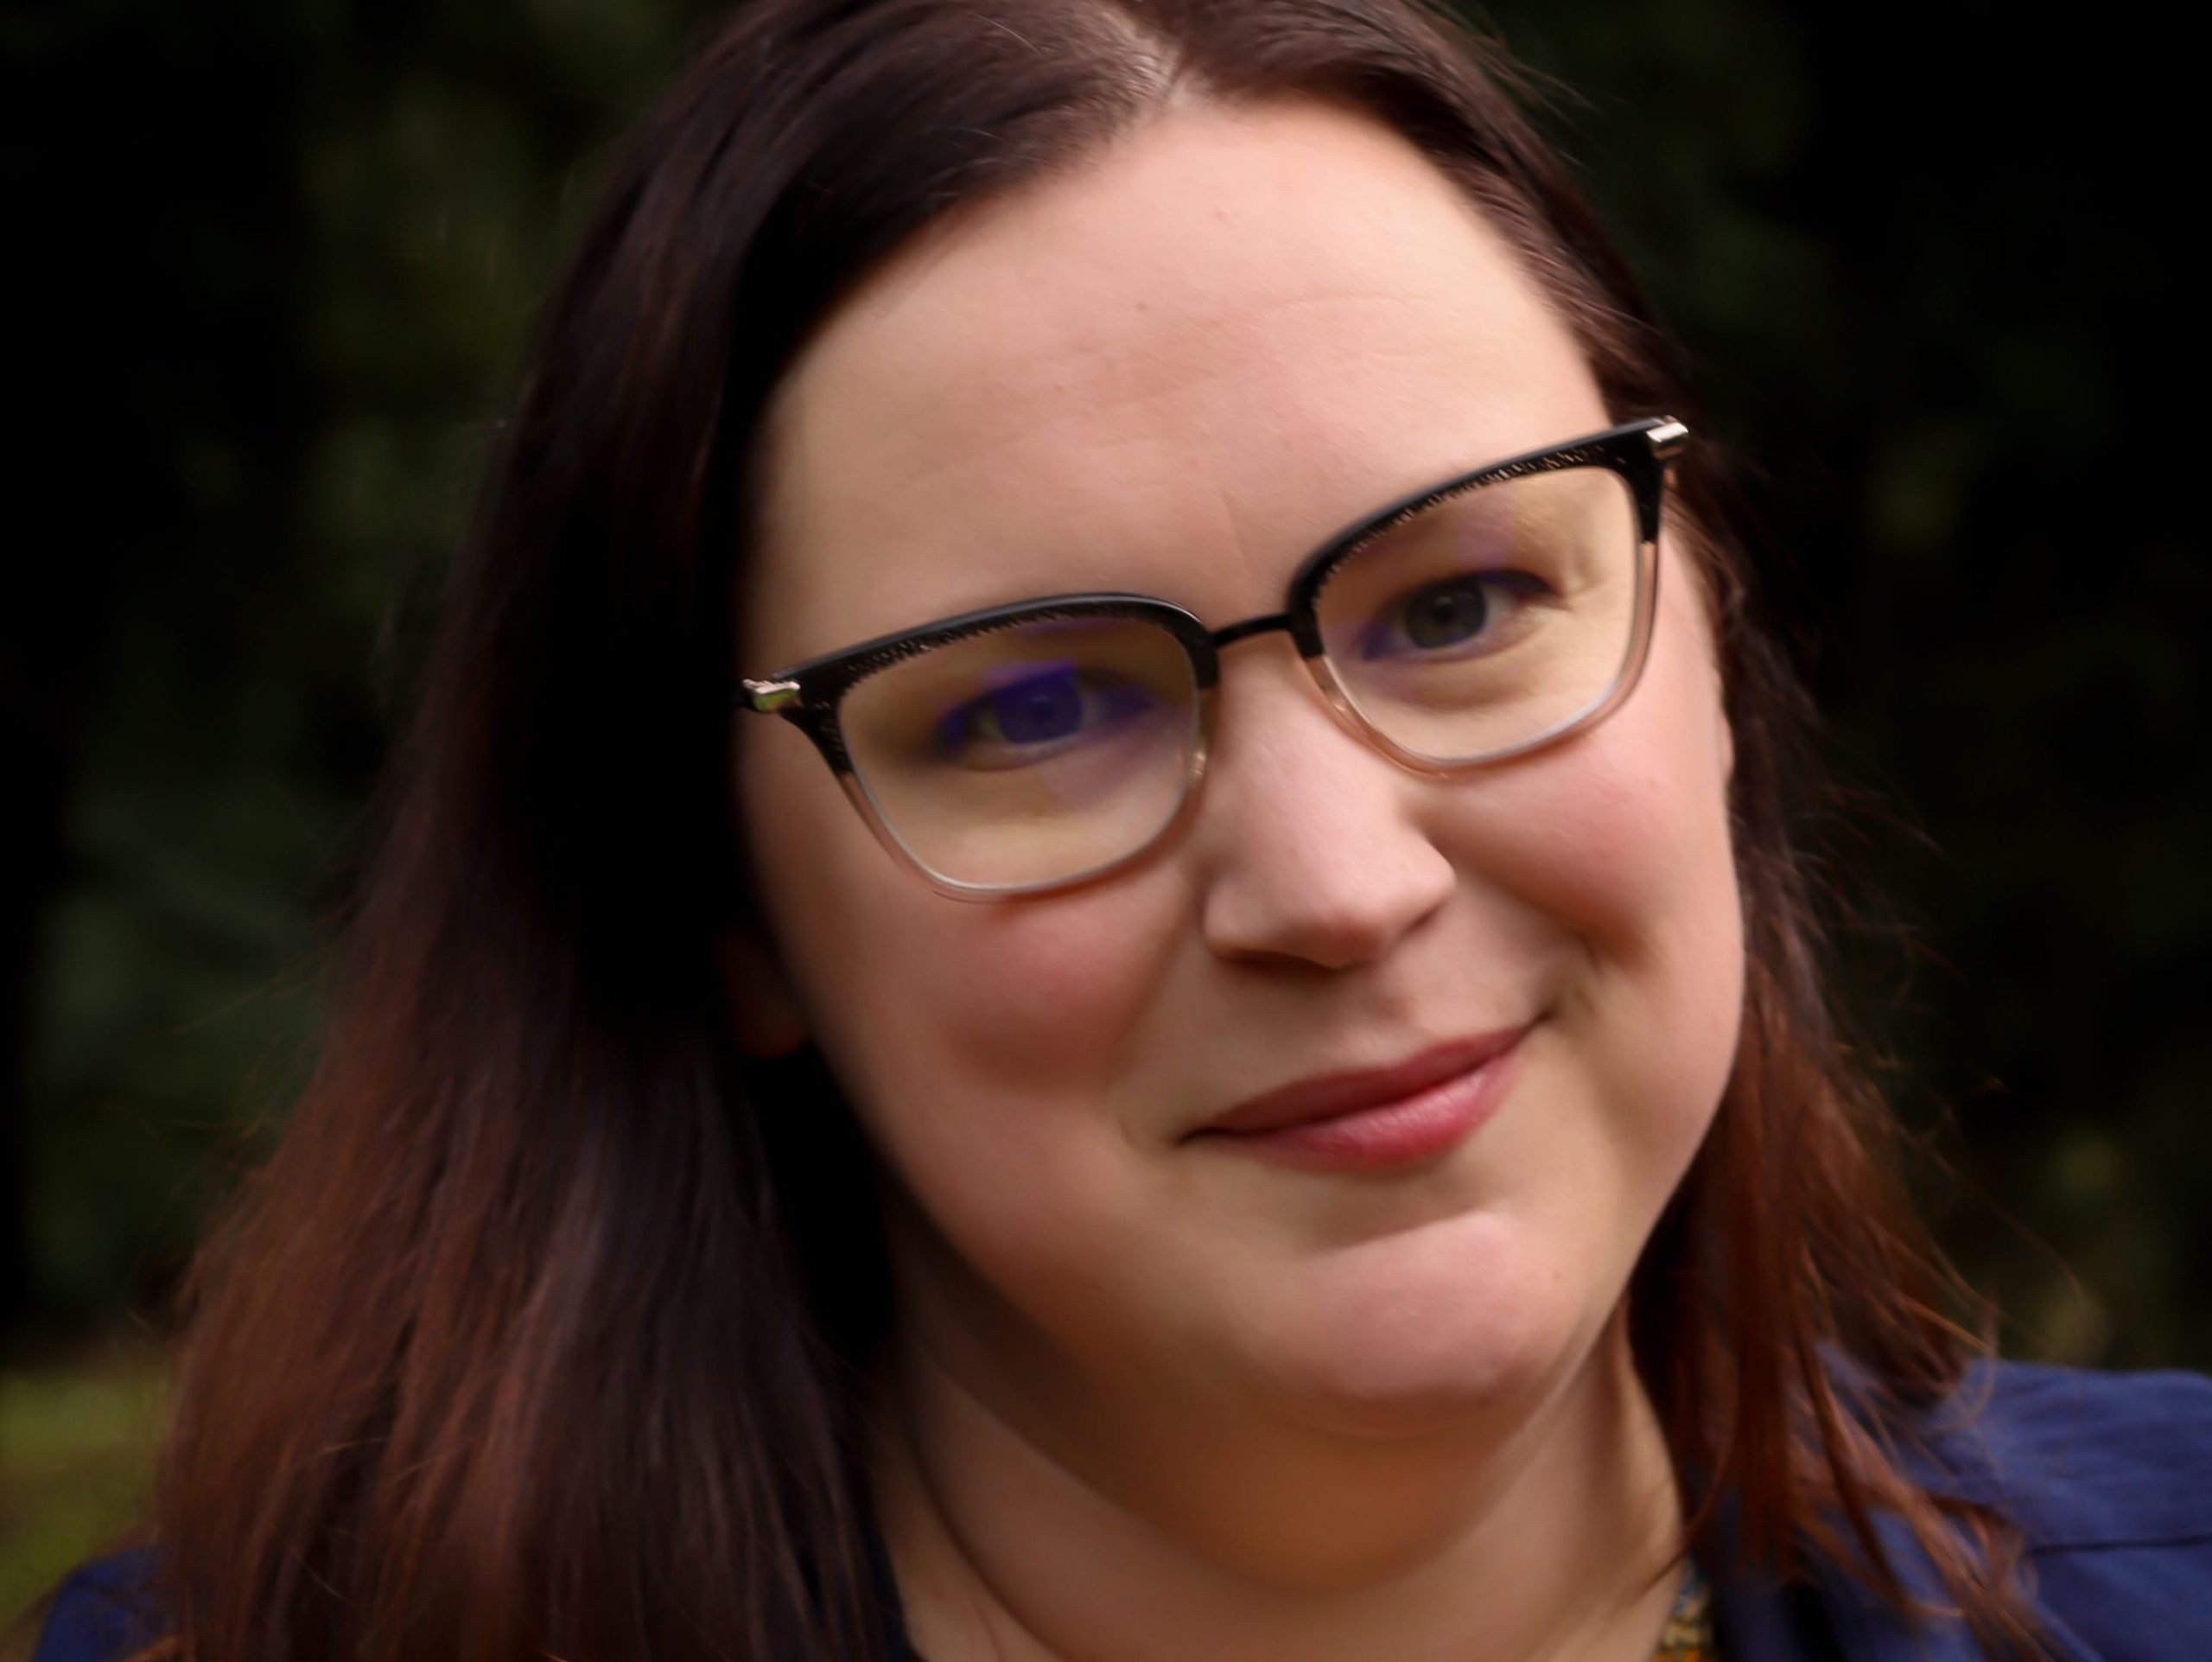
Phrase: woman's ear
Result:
[765,1016]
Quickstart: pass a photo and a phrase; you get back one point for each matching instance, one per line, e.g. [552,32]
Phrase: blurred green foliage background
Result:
[273,264]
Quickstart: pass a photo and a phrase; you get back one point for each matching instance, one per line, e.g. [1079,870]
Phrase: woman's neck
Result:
[1128,1535]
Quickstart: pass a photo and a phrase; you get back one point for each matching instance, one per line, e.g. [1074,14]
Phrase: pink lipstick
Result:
[1377,1118]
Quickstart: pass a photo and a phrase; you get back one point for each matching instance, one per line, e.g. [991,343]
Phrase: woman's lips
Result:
[1380,1118]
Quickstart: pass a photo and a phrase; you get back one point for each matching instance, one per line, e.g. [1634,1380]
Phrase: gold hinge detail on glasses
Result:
[765,696]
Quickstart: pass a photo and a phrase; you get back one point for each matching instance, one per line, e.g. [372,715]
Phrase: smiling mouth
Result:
[1375,1119]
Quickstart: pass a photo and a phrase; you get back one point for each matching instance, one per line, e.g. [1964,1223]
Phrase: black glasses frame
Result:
[808,694]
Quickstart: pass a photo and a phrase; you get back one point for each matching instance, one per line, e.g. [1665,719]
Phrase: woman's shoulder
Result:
[104,1611]
[2107,1478]
[2080,1460]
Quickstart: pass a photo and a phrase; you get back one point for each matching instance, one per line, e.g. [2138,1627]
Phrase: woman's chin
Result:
[1422,1351]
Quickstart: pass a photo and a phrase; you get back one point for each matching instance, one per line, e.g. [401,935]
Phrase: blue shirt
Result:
[2109,1477]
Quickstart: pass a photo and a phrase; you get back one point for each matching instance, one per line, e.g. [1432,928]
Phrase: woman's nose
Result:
[1312,847]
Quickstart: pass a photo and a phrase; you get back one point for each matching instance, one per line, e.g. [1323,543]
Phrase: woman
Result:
[1225,1057]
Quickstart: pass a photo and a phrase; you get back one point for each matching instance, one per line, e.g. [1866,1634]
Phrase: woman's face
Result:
[1173,372]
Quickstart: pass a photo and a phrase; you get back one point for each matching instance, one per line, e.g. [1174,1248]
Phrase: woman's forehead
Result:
[1240,326]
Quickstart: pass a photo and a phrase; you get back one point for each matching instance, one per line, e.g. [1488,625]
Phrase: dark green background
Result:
[271,268]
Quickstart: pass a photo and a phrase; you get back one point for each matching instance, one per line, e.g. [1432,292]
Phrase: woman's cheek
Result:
[992,1093]
[893,975]
[1621,840]
[1623,832]
[1050,999]
[1597,842]
[967,1031]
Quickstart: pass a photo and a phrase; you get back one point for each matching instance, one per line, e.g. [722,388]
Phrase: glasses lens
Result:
[1490,618]
[1031,754]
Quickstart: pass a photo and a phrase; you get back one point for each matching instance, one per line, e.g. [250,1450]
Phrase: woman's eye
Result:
[1459,615]
[1039,715]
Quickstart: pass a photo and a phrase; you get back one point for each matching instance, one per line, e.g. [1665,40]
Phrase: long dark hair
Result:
[544,1330]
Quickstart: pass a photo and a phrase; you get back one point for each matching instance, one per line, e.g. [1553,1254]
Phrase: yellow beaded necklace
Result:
[1688,1636]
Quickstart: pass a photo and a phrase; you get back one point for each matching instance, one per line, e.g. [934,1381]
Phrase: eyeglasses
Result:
[1033,747]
